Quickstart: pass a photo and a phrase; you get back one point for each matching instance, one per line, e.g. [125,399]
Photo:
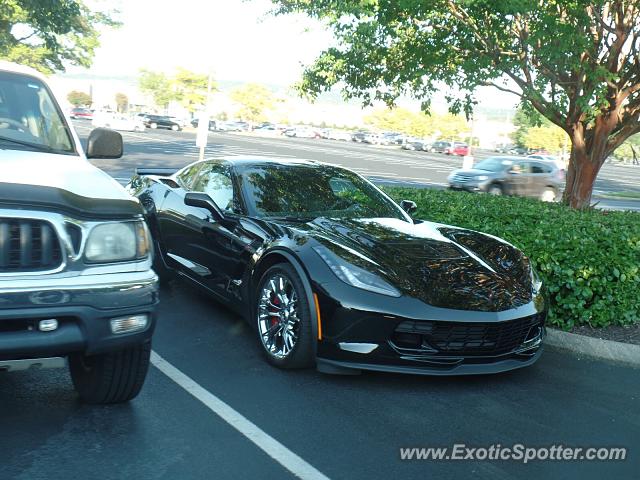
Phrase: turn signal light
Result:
[130,324]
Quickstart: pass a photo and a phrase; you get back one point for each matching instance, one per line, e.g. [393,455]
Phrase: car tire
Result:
[495,189]
[549,194]
[301,353]
[153,125]
[114,377]
[175,128]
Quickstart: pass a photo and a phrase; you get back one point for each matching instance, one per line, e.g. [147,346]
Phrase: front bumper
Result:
[83,307]
[470,186]
[439,341]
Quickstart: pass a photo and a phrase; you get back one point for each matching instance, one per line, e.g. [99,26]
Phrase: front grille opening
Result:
[466,338]
[407,340]
[28,246]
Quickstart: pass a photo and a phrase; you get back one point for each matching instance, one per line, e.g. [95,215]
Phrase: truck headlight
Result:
[117,242]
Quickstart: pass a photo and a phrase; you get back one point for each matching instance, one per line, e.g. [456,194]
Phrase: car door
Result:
[540,173]
[215,252]
[518,177]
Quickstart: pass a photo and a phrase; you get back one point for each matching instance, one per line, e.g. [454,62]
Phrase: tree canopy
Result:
[187,87]
[50,34]
[576,62]
[418,124]
[79,99]
[254,100]
[122,102]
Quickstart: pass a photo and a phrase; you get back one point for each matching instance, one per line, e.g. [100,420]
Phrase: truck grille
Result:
[28,246]
[466,338]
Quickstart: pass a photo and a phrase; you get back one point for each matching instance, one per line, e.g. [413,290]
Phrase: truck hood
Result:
[67,172]
[61,182]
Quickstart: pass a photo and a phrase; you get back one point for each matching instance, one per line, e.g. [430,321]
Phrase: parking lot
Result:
[212,408]
[343,427]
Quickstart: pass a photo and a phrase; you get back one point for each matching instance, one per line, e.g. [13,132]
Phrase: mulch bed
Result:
[627,334]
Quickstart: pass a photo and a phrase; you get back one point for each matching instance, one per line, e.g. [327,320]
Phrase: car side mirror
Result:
[409,206]
[104,143]
[202,200]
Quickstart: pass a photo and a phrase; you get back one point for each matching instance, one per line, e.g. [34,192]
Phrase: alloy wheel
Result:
[278,316]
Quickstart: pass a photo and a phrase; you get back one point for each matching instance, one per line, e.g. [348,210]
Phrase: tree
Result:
[549,138]
[191,89]
[48,35]
[158,86]
[576,62]
[254,99]
[122,102]
[418,124]
[79,99]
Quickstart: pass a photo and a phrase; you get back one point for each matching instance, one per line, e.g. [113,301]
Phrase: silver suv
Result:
[76,283]
[519,176]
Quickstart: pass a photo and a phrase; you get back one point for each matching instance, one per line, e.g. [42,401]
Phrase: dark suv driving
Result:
[160,121]
[511,176]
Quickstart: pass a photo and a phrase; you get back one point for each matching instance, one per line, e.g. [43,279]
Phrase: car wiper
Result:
[36,146]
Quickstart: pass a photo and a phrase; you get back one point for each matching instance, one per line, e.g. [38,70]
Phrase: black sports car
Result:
[329,270]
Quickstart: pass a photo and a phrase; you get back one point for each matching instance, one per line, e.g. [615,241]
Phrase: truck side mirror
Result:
[104,143]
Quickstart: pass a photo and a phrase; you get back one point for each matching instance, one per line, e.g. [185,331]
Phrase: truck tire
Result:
[111,377]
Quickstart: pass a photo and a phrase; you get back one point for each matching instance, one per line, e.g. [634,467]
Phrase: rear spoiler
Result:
[158,171]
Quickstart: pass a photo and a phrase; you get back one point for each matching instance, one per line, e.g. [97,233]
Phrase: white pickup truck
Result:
[76,283]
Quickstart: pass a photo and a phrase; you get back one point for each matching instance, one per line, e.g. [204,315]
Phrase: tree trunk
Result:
[580,179]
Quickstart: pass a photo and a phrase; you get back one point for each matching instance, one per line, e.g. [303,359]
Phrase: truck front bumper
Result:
[83,307]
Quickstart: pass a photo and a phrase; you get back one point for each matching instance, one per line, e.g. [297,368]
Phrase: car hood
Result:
[63,182]
[441,265]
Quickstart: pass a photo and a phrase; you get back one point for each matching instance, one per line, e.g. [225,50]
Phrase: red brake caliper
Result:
[276,301]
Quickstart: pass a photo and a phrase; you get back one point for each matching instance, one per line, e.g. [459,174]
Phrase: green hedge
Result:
[589,260]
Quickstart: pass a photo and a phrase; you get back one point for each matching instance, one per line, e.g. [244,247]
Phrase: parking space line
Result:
[258,437]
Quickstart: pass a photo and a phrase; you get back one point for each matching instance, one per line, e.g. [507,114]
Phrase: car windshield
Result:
[307,192]
[493,164]
[29,117]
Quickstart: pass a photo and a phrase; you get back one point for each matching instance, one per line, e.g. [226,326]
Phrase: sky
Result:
[237,39]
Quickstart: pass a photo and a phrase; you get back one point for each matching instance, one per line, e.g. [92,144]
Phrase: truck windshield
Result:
[29,117]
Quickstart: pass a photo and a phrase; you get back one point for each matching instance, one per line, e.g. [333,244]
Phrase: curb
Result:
[626,353]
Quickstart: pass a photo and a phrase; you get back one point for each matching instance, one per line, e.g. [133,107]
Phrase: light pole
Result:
[203,122]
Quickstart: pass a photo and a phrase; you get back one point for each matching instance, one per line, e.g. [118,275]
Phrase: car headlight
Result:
[536,281]
[354,275]
[117,242]
[482,178]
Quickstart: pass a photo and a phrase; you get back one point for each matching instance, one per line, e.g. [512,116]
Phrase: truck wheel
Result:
[111,377]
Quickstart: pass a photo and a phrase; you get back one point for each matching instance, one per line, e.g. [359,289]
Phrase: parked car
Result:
[511,176]
[359,137]
[519,151]
[340,135]
[302,132]
[80,113]
[334,273]
[160,121]
[559,163]
[372,138]
[417,144]
[458,148]
[440,146]
[118,122]
[76,283]
[212,124]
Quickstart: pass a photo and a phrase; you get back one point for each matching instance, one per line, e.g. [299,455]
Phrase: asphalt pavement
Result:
[343,427]
[213,408]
